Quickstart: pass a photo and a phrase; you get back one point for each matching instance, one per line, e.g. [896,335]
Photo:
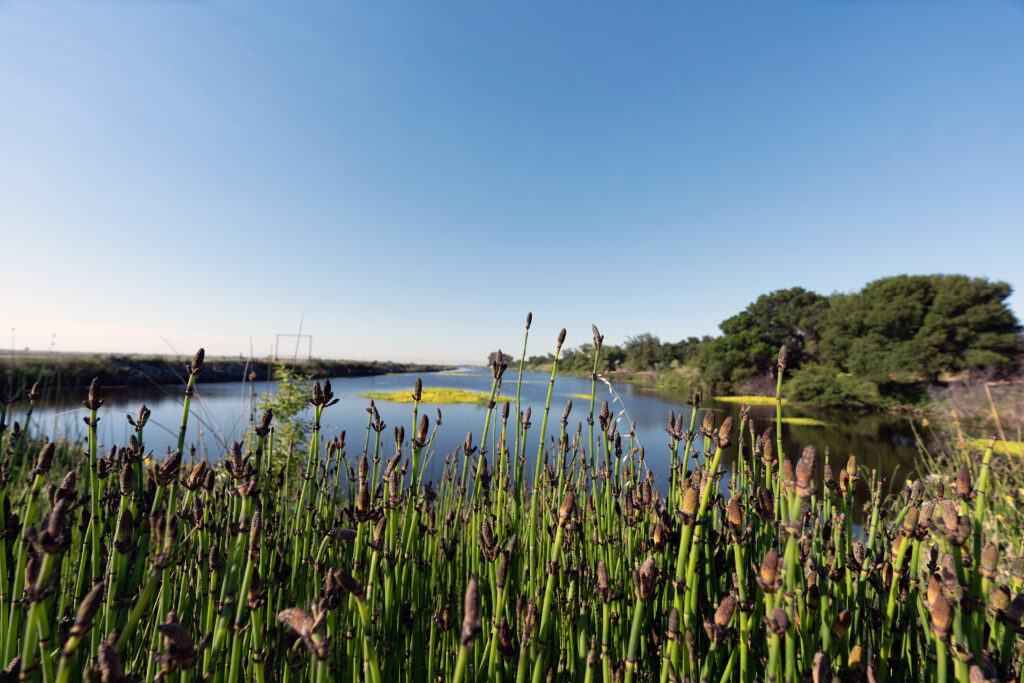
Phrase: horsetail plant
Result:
[738,564]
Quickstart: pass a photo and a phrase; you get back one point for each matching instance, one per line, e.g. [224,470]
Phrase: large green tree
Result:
[643,352]
[750,340]
[916,327]
[682,352]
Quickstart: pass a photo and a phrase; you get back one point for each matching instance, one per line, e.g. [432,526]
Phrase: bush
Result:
[826,386]
[680,379]
[289,404]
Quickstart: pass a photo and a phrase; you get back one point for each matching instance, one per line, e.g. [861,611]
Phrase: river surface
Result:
[221,413]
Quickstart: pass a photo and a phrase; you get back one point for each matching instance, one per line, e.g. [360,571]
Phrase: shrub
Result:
[824,385]
[289,404]
[681,379]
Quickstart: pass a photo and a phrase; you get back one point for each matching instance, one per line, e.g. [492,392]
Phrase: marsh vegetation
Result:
[546,546]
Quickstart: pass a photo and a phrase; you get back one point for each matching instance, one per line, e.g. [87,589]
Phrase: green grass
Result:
[582,397]
[349,563]
[750,400]
[804,422]
[436,396]
[1002,447]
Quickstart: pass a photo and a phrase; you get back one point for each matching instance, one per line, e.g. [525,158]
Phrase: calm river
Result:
[221,414]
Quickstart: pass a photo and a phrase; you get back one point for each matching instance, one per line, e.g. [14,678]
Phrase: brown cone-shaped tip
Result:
[856,658]
[471,613]
[778,621]
[45,459]
[734,512]
[690,500]
[820,668]
[924,518]
[941,615]
[87,609]
[963,485]
[805,472]
[950,519]
[788,479]
[707,424]
[910,520]
[602,576]
[723,431]
[723,615]
[989,560]
[999,599]
[566,509]
[769,571]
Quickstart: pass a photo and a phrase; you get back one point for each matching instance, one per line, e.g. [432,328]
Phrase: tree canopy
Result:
[920,326]
[751,339]
[864,348]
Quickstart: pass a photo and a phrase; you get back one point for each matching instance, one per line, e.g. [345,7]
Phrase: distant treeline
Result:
[883,345]
[58,372]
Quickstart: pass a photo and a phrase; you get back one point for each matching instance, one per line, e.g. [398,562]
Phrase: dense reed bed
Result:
[547,550]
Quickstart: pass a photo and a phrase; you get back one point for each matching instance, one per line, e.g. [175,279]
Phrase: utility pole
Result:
[298,339]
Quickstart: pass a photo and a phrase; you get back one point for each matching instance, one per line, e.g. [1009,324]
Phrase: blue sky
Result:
[414,177]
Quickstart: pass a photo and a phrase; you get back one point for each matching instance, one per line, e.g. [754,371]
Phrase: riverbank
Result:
[68,371]
[683,381]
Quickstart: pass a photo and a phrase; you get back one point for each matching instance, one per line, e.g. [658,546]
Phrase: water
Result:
[221,414]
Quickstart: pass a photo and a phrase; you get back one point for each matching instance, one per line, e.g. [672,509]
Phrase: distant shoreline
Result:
[69,371]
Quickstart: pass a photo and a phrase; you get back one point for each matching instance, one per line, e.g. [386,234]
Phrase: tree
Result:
[915,327]
[612,356]
[969,325]
[682,352]
[750,340]
[493,355]
[642,351]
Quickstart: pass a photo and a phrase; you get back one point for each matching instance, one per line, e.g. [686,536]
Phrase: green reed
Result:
[357,567]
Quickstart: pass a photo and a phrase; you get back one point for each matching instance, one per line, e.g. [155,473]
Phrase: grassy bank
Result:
[814,395]
[435,396]
[68,371]
[751,400]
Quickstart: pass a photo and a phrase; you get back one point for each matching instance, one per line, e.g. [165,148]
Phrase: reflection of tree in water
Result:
[881,442]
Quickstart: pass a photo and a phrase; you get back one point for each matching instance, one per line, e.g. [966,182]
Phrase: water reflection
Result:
[221,414]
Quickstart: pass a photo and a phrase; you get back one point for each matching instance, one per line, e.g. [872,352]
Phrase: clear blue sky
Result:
[415,177]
